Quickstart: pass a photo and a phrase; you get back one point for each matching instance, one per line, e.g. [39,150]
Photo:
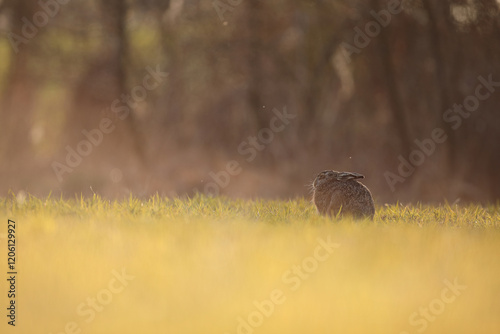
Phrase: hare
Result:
[337,193]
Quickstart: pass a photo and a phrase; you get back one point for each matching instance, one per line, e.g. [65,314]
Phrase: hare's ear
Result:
[349,176]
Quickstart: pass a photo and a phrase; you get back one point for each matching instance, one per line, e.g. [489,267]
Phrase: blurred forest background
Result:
[230,63]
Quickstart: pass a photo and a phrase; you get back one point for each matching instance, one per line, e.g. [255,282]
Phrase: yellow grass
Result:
[202,265]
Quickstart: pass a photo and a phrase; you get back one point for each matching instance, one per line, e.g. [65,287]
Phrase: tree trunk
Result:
[439,40]
[16,150]
[254,63]
[396,104]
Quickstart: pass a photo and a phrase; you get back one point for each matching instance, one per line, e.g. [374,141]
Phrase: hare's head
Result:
[333,176]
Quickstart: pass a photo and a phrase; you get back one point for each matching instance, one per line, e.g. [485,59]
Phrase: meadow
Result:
[215,265]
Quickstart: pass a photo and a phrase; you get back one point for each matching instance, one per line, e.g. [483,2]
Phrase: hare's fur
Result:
[339,193]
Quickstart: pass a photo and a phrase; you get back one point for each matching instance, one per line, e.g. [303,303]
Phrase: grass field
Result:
[214,265]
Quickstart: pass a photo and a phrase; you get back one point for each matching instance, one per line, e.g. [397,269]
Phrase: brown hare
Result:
[339,193]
